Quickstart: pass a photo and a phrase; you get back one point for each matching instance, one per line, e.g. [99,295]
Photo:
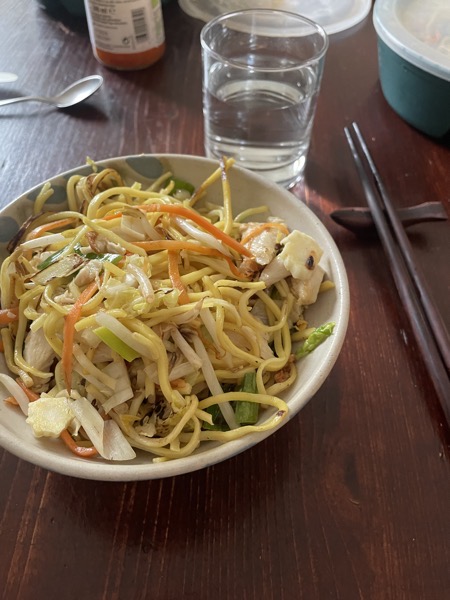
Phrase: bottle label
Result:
[125,26]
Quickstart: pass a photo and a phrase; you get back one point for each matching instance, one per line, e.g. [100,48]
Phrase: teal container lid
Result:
[418,31]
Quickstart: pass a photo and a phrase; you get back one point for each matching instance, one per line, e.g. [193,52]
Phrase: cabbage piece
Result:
[213,383]
[123,390]
[16,391]
[115,444]
[50,416]
[108,440]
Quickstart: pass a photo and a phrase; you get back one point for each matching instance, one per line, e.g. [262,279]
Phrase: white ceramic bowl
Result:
[246,189]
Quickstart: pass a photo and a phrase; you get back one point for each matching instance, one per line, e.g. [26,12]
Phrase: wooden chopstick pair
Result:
[427,324]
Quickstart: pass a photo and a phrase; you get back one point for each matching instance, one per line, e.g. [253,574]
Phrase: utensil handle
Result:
[23,99]
[8,77]
[359,218]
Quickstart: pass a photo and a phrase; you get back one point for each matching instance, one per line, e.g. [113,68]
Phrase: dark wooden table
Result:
[351,498]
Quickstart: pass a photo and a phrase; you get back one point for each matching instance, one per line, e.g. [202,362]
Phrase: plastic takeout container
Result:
[332,15]
[414,61]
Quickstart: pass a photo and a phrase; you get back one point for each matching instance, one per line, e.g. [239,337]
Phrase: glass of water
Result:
[261,77]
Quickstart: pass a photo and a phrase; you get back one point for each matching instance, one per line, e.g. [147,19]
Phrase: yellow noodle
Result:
[273,421]
[208,182]
[38,322]
[250,212]
[142,195]
[228,345]
[159,443]
[326,285]
[113,237]
[45,193]
[71,193]
[8,351]
[232,336]
[277,388]
[52,325]
[20,336]
[49,292]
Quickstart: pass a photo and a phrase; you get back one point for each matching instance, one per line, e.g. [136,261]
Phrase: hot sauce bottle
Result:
[126,34]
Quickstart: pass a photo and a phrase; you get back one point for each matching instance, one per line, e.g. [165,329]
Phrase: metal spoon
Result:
[7,77]
[75,93]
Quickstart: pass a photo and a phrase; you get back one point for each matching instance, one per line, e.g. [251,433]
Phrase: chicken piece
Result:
[65,298]
[249,268]
[300,258]
[37,351]
[263,245]
[101,245]
[89,272]
[275,271]
[300,255]
[306,291]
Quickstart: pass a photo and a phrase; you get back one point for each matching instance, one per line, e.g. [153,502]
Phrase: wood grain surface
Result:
[350,500]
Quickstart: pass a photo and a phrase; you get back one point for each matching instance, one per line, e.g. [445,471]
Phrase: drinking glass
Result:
[261,78]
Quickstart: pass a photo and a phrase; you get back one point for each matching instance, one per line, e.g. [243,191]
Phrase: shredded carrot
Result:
[11,400]
[83,451]
[8,315]
[38,231]
[174,245]
[32,396]
[188,213]
[260,228]
[234,269]
[69,331]
[177,245]
[174,274]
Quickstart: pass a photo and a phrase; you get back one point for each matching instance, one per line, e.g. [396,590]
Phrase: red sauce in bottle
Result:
[126,34]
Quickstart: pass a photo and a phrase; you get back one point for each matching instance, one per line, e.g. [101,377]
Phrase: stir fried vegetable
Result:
[133,320]
[317,337]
